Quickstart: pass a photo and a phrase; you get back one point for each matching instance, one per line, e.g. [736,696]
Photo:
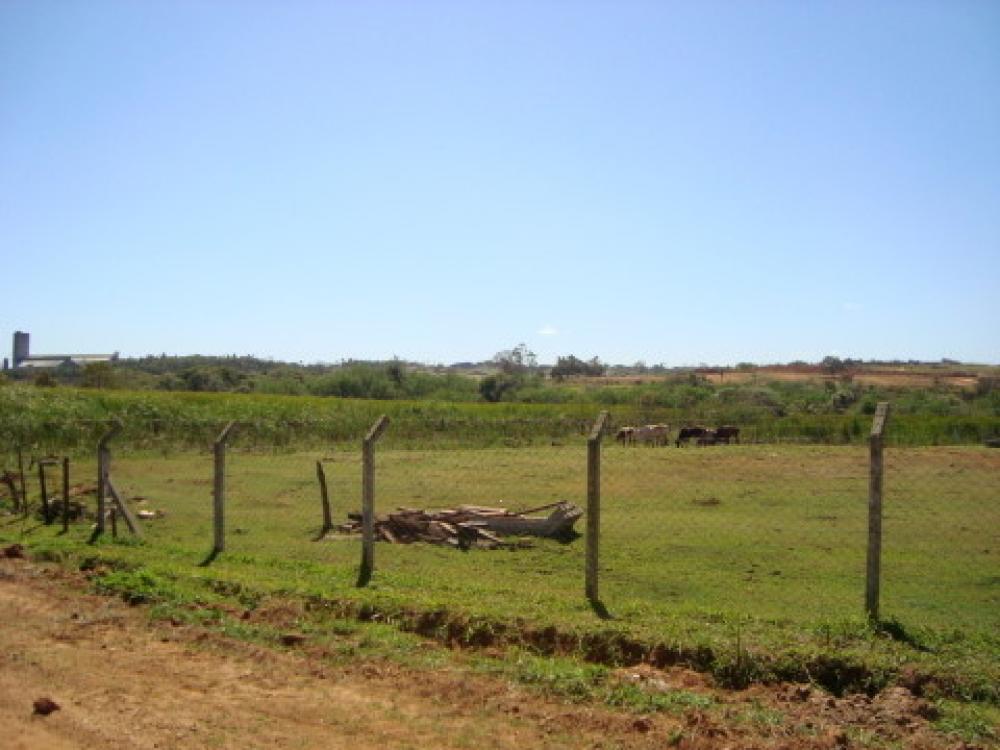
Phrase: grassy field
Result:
[744,560]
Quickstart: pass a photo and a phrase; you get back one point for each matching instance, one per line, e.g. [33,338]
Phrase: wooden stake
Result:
[130,520]
[65,492]
[24,486]
[324,499]
[43,491]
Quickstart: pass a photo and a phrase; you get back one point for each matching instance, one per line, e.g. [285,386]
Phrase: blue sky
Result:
[675,182]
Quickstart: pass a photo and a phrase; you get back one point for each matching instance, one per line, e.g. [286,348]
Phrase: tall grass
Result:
[66,419]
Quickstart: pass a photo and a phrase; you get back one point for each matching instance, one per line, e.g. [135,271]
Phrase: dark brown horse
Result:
[687,433]
[726,434]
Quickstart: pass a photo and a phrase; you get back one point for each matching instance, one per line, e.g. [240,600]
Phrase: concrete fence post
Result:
[103,470]
[874,558]
[368,499]
[219,489]
[594,505]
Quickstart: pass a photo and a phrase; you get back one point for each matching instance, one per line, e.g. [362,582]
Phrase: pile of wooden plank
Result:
[468,525]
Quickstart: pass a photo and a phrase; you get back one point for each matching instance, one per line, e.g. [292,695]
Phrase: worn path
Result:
[122,681]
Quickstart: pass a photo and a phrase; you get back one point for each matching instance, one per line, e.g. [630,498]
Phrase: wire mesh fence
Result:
[941,536]
[775,530]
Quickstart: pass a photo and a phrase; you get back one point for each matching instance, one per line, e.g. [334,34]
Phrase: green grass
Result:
[746,561]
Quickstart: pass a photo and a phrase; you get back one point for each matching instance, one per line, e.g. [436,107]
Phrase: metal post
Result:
[594,504]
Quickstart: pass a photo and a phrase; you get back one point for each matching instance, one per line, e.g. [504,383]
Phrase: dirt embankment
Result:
[83,671]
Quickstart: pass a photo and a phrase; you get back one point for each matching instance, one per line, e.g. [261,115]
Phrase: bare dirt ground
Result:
[123,681]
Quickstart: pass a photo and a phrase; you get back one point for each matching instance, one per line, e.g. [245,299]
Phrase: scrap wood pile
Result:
[468,525]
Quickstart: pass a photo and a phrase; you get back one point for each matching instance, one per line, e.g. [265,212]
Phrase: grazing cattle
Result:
[687,433]
[708,437]
[626,435]
[725,434]
[652,434]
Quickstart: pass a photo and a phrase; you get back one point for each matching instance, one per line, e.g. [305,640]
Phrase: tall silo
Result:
[20,347]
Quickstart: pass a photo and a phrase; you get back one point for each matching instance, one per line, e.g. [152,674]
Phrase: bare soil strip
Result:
[122,681]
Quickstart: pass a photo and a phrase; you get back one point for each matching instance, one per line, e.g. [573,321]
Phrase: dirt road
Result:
[122,681]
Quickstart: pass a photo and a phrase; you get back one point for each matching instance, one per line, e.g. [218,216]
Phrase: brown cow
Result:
[626,435]
[652,434]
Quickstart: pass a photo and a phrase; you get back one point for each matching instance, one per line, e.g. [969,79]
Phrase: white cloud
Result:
[548,330]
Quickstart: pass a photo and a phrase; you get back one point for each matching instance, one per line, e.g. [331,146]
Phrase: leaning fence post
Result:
[103,464]
[874,562]
[594,504]
[219,489]
[368,499]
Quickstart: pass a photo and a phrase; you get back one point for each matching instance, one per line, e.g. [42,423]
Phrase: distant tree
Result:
[98,375]
[567,367]
[493,388]
[202,379]
[169,382]
[396,372]
[520,359]
[833,365]
[45,380]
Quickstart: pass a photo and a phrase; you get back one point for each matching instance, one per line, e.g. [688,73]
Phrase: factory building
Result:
[23,359]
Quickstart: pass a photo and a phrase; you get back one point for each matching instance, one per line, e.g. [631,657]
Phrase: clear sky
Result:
[675,182]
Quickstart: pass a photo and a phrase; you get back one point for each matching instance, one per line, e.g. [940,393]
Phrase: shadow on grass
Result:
[210,558]
[895,630]
[600,610]
[321,534]
[364,576]
[567,537]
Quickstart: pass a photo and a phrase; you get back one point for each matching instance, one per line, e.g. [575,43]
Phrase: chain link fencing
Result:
[759,527]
